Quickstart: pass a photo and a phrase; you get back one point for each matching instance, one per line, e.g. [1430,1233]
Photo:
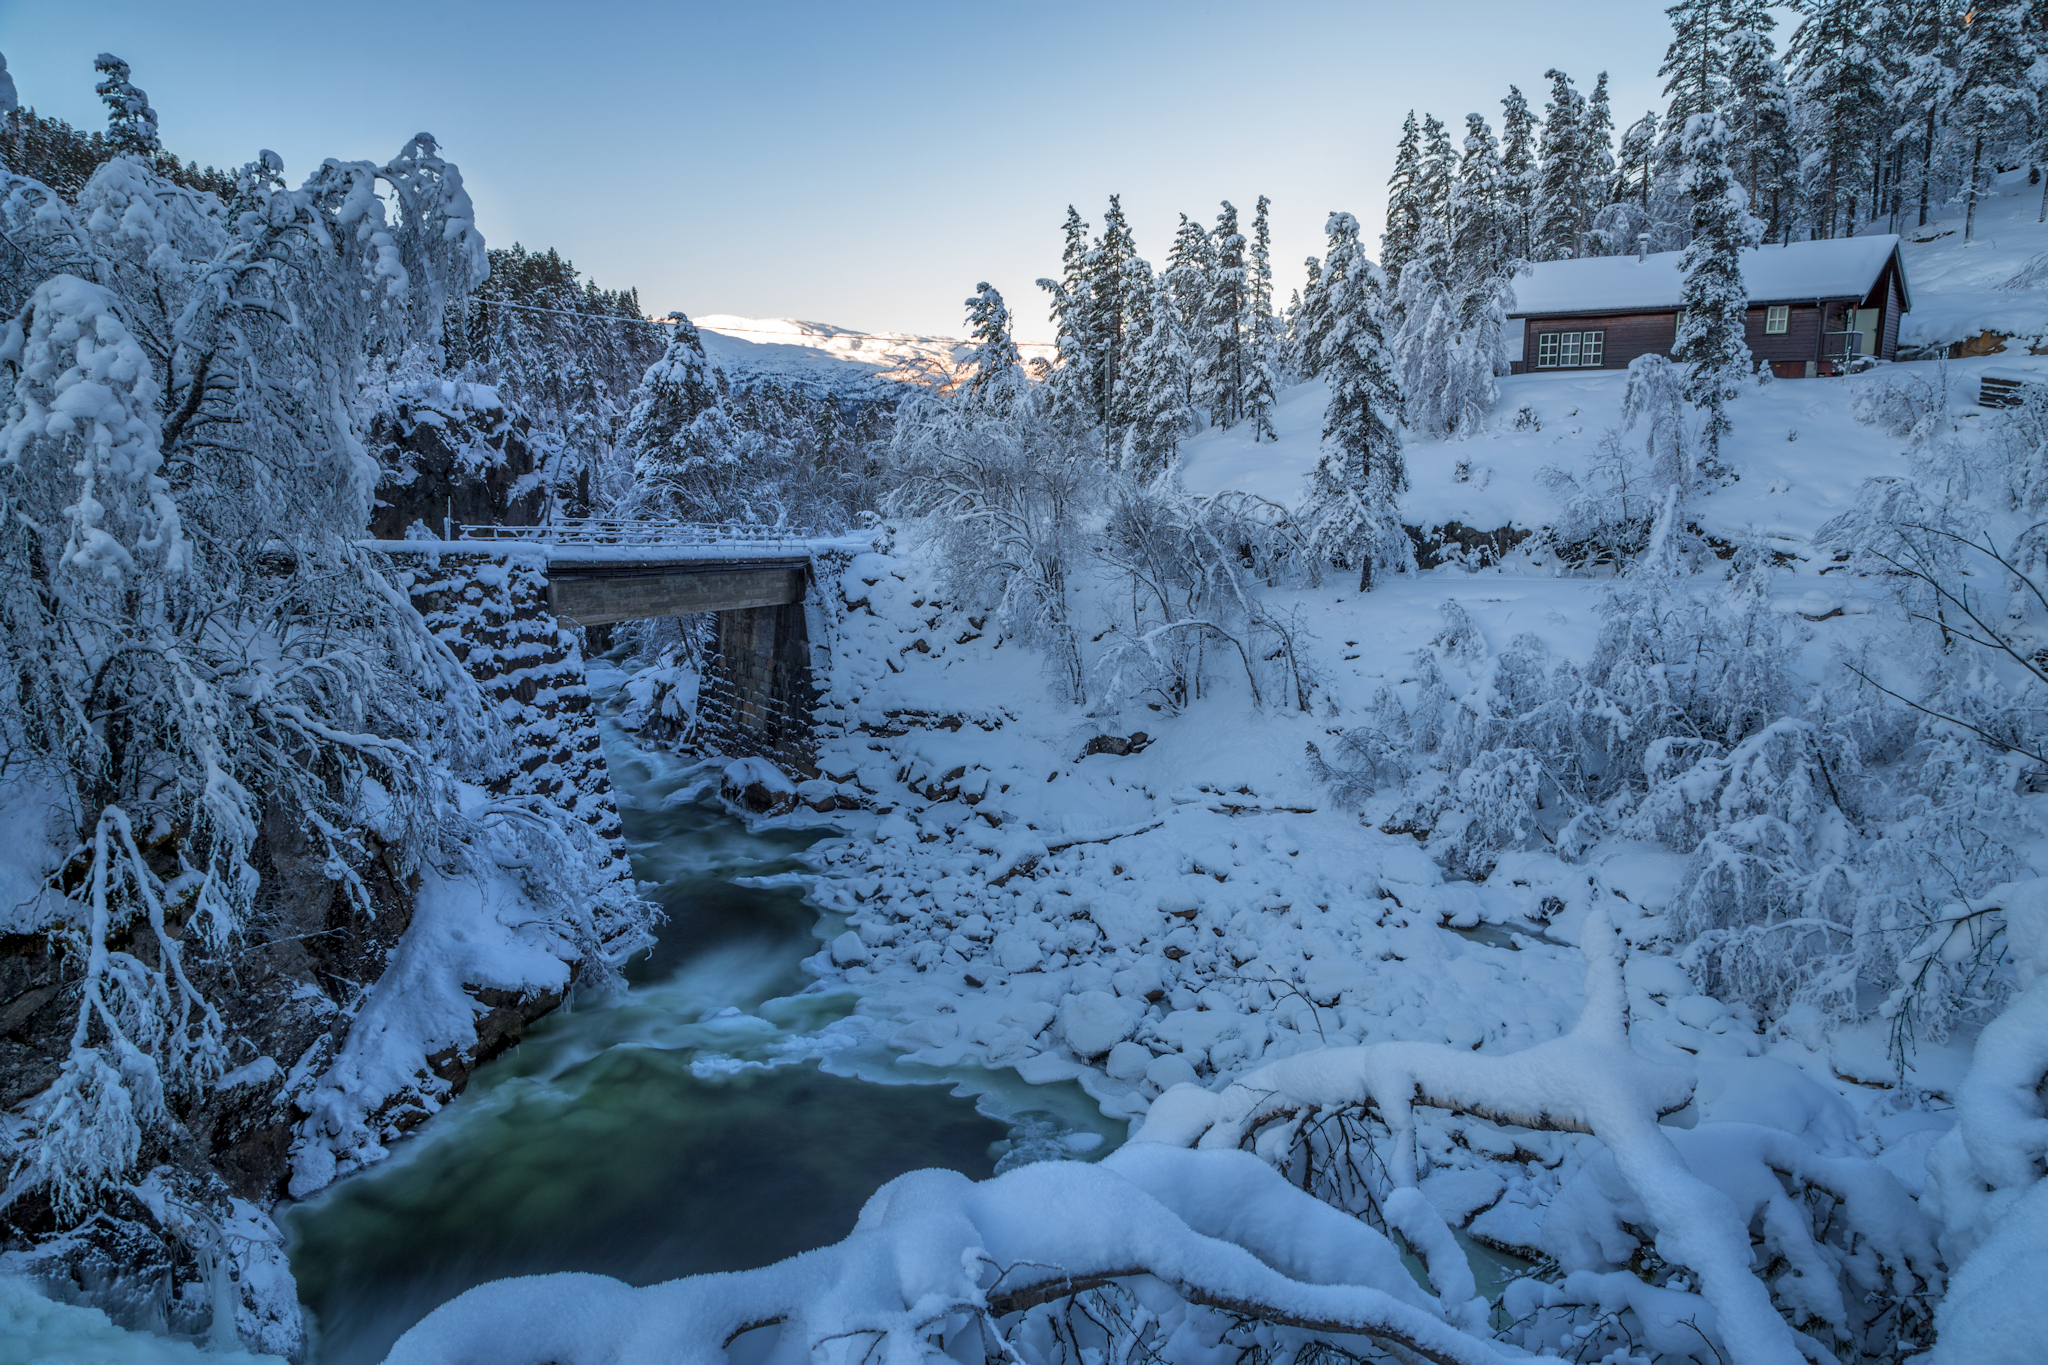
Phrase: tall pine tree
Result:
[1716,302]
[1156,413]
[1596,172]
[1696,61]
[1107,266]
[1760,120]
[131,123]
[995,376]
[1264,361]
[1995,97]
[1222,329]
[1560,196]
[1404,202]
[1073,379]
[1839,89]
[1519,175]
[1360,472]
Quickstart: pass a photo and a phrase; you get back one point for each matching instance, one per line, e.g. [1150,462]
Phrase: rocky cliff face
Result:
[451,451]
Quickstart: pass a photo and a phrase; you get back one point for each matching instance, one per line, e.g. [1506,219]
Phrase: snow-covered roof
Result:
[1844,267]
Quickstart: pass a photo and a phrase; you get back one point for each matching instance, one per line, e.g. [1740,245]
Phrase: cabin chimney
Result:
[1642,246]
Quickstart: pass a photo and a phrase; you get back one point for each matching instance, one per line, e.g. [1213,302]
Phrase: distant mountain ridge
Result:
[820,357]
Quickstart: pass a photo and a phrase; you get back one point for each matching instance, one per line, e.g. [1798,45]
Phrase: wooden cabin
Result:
[1813,307]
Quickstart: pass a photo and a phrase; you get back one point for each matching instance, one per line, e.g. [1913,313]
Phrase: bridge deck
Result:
[601,573]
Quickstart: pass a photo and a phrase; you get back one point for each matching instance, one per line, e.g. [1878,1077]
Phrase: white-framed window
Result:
[1570,350]
[1777,318]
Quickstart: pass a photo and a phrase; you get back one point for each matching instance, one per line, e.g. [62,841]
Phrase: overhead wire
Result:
[751,331]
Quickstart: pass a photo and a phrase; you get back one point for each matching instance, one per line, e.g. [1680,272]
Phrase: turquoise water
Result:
[685,1127]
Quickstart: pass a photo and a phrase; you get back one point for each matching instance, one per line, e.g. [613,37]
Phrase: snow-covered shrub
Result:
[1004,494]
[1911,406]
[669,657]
[1192,569]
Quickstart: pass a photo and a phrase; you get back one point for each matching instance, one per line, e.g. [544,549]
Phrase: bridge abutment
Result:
[757,695]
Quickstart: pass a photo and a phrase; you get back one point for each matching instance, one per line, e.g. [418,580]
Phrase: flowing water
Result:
[714,1118]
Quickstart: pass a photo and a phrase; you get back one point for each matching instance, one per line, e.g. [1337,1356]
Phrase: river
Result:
[711,1118]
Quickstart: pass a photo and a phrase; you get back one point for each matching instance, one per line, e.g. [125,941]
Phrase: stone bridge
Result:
[757,694]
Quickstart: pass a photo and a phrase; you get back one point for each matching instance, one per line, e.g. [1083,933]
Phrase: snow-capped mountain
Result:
[838,359]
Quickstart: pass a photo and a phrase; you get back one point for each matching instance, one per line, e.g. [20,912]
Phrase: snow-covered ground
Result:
[1201,906]
[1201,910]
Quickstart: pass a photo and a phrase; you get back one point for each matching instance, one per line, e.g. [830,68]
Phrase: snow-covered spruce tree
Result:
[1761,124]
[1596,136]
[1072,384]
[1482,247]
[1351,510]
[1190,269]
[1426,342]
[1696,60]
[1711,335]
[205,671]
[1560,209]
[1997,90]
[682,445]
[1221,339]
[995,376]
[1403,235]
[1838,87]
[1520,174]
[1157,415]
[1108,272]
[1264,358]
[131,123]
[1635,173]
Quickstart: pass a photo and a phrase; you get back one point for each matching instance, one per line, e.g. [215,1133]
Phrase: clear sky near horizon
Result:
[863,165]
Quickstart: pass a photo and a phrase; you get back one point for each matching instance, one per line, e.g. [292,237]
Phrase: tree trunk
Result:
[1976,164]
[1927,167]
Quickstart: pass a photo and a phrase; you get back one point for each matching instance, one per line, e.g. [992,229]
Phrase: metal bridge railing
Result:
[623,532]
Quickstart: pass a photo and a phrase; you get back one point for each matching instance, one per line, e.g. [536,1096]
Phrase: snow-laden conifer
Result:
[1360,472]
[995,375]
[1157,415]
[1520,173]
[1264,358]
[1716,303]
[1761,120]
[1221,336]
[1560,208]
[1839,95]
[681,443]
[131,123]
[1071,386]
[1997,87]
[1405,214]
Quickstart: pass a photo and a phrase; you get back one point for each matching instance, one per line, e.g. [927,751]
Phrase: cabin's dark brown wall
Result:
[1632,334]
[1800,341]
[1628,336]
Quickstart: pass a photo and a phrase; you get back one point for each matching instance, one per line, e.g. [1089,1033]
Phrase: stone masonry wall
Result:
[757,697]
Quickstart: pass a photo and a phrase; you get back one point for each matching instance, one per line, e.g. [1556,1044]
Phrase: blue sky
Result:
[859,165]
